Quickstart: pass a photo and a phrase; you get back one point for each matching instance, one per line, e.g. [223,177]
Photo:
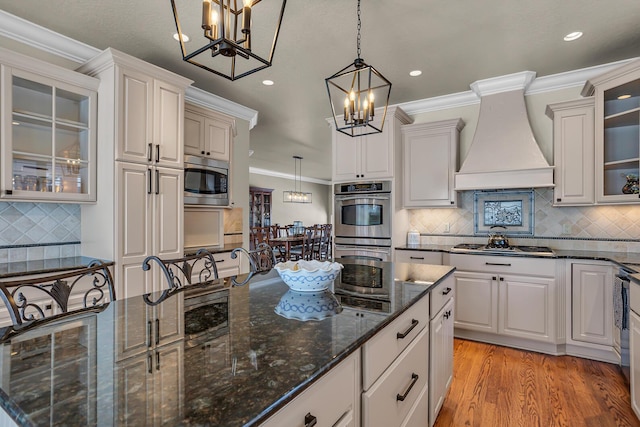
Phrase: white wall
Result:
[317,212]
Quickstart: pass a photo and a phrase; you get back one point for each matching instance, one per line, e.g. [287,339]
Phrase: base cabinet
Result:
[634,348]
[332,401]
[440,346]
[508,296]
[592,303]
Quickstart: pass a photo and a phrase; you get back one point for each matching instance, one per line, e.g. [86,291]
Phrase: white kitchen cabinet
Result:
[334,400]
[140,151]
[634,346]
[508,296]
[440,346]
[151,208]
[430,159]
[388,402]
[49,117]
[476,305]
[362,158]
[207,133]
[617,131]
[158,378]
[418,257]
[150,119]
[526,307]
[573,152]
[592,303]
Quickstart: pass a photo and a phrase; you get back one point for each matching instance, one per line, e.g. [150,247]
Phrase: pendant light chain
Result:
[359,26]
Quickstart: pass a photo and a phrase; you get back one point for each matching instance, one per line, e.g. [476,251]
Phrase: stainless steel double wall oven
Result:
[363,220]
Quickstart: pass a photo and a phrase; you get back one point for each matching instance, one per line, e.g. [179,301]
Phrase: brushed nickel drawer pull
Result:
[414,380]
[401,335]
[498,263]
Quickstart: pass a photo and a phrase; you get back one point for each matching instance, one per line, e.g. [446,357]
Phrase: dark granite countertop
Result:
[624,259]
[248,364]
[24,268]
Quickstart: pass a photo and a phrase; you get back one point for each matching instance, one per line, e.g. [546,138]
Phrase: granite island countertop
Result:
[249,364]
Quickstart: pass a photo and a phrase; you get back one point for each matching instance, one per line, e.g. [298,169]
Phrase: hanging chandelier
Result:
[353,93]
[297,195]
[238,39]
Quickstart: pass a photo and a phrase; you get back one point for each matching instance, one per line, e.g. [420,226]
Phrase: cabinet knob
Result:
[310,420]
[208,153]
[202,152]
[558,199]
[452,202]
[8,192]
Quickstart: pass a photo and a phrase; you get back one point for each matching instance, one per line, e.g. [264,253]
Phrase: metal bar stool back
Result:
[31,300]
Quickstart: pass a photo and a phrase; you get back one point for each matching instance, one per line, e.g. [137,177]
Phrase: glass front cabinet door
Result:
[48,137]
[617,133]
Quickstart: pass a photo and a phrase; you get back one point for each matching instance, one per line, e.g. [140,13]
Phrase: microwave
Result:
[206,181]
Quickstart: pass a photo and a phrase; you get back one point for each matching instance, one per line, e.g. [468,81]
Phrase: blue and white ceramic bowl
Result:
[308,276]
[308,305]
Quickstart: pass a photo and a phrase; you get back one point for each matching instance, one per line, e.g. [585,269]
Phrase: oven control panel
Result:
[363,187]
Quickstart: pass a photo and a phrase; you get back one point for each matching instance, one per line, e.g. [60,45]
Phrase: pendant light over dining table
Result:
[354,92]
[297,195]
[240,38]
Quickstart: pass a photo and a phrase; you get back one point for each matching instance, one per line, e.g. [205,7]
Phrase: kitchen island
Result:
[211,355]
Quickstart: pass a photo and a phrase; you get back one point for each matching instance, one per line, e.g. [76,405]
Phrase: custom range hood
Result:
[504,153]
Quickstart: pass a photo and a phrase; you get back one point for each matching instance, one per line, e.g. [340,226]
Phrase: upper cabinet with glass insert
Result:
[48,132]
[617,133]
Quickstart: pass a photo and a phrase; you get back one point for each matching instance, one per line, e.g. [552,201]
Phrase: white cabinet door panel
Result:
[476,302]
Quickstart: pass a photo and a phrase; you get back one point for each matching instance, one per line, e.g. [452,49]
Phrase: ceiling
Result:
[453,42]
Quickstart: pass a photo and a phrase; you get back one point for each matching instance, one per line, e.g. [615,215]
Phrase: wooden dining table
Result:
[287,242]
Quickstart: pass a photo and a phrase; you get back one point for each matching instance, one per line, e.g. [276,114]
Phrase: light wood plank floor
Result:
[503,387]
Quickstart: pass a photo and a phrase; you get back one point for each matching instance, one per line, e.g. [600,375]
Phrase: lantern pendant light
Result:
[233,46]
[353,94]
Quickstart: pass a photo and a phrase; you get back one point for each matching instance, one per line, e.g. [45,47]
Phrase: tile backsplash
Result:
[30,231]
[607,228]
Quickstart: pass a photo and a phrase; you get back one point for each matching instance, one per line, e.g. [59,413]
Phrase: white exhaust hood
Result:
[504,153]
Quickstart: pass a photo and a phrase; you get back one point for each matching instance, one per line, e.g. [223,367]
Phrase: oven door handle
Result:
[345,198]
[364,249]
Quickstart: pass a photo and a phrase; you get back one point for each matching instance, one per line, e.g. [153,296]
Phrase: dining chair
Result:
[325,242]
[30,301]
[191,269]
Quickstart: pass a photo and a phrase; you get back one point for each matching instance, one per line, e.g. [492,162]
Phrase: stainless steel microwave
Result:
[206,181]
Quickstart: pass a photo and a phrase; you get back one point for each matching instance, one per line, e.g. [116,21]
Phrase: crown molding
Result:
[30,34]
[206,99]
[275,174]
[42,38]
[554,82]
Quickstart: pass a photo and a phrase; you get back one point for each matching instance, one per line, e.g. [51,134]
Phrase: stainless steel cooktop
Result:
[480,248]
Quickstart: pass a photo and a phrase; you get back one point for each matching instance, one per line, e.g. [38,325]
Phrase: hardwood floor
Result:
[505,387]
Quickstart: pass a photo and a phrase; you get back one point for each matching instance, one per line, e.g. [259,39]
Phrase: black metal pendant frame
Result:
[231,48]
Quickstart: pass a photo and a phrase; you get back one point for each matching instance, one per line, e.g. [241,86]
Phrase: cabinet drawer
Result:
[380,404]
[419,257]
[504,264]
[381,350]
[441,294]
[333,399]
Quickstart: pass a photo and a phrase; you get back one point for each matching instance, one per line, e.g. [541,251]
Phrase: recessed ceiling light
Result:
[267,82]
[624,97]
[185,38]
[573,36]
[415,73]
